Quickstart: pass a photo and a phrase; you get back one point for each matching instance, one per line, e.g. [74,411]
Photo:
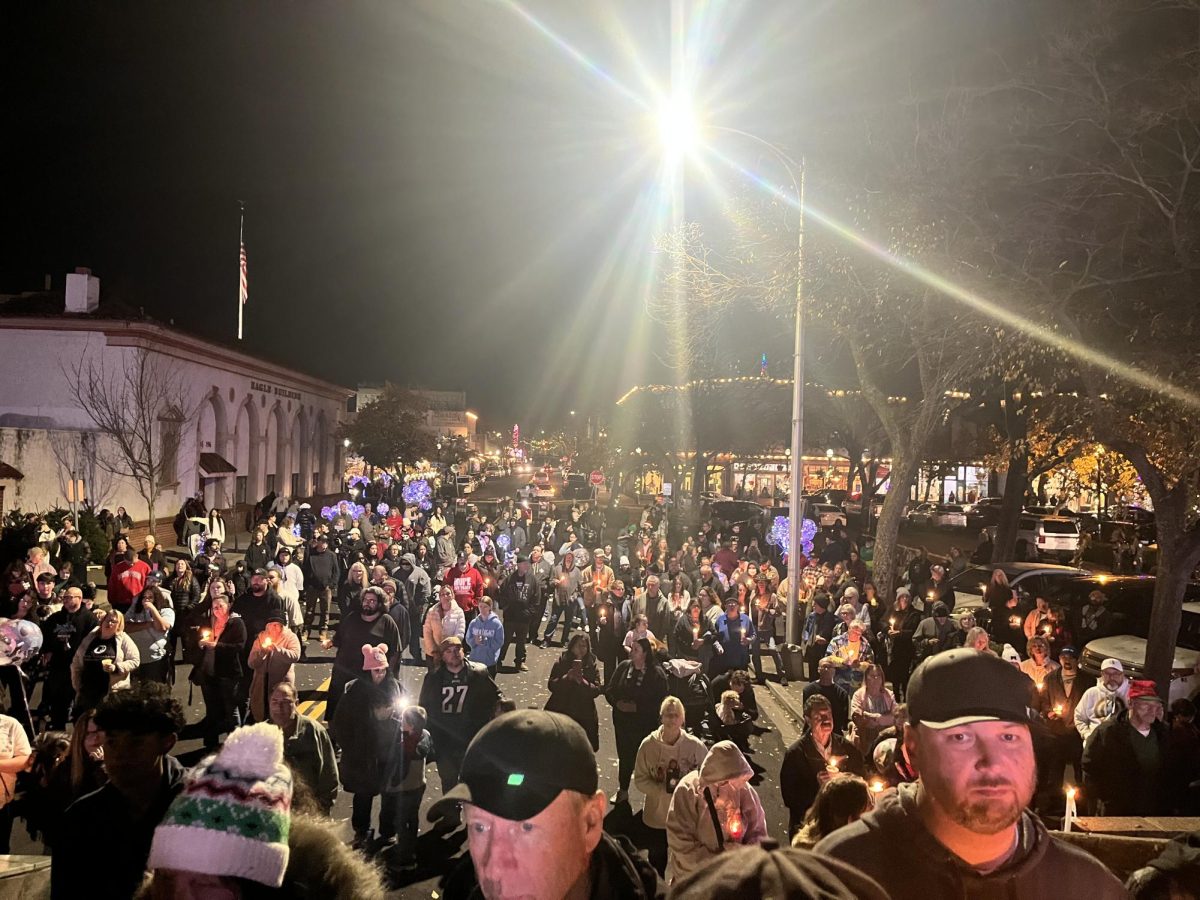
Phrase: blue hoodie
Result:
[485,637]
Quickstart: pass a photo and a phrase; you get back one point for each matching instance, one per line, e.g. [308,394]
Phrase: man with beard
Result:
[962,829]
[366,625]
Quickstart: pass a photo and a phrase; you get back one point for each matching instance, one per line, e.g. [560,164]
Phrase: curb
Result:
[783,696]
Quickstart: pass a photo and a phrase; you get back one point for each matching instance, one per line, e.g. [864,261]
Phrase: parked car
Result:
[853,506]
[1040,537]
[921,514]
[831,496]
[1138,518]
[1027,578]
[948,515]
[826,515]
[577,487]
[983,512]
[1130,647]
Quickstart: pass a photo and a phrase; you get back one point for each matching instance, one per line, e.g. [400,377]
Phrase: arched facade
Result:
[212,437]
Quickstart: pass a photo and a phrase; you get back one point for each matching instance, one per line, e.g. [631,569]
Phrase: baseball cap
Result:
[260,572]
[1069,651]
[1112,664]
[1143,690]
[758,871]
[451,641]
[959,687]
[519,763]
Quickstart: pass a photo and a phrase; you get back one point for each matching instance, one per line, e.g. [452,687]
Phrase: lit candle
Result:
[735,825]
[832,766]
[877,786]
[1041,686]
[1071,812]
[1046,629]
[266,643]
[695,632]
[892,621]
[205,634]
[1014,621]
[1058,709]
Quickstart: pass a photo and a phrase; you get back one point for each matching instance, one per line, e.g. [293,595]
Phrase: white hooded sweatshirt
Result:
[692,838]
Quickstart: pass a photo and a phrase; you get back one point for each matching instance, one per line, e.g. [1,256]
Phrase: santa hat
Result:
[234,813]
[374,657]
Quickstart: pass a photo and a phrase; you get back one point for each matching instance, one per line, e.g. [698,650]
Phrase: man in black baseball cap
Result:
[535,817]
[963,827]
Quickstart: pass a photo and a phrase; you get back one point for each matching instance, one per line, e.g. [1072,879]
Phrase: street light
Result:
[679,134]
[678,131]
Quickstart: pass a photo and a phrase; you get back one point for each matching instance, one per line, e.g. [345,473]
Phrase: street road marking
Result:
[306,708]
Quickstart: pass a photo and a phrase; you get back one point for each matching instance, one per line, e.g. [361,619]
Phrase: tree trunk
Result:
[887,530]
[1178,554]
[1015,484]
[699,475]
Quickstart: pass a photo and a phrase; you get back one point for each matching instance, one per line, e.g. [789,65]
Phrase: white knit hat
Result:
[234,814]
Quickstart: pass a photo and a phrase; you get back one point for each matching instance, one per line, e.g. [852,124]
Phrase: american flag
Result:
[243,291]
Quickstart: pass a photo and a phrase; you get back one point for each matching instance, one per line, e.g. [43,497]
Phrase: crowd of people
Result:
[920,729]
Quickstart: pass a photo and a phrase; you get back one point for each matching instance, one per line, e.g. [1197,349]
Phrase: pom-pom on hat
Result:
[374,657]
[234,814]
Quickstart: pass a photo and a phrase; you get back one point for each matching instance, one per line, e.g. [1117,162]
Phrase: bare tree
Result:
[140,413]
[75,453]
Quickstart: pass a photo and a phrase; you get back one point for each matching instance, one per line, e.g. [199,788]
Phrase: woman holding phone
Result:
[575,684]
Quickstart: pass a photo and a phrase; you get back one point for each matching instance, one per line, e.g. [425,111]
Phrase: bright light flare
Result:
[678,127]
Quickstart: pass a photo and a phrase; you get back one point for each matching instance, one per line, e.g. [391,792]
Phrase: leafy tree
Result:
[389,432]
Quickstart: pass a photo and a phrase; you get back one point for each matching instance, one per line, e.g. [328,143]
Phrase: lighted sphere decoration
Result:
[383,509]
[20,641]
[385,479]
[781,529]
[327,513]
[359,481]
[503,541]
[417,492]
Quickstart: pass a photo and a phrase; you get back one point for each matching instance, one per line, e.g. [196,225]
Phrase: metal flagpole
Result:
[241,301]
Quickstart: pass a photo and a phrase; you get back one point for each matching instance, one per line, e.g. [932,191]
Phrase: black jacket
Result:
[322,570]
[227,654]
[1112,776]
[617,870]
[521,597]
[573,698]
[125,851]
[458,705]
[802,763]
[648,695]
[362,727]
[891,845]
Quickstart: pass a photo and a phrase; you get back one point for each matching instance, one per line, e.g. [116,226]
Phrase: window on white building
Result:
[169,429]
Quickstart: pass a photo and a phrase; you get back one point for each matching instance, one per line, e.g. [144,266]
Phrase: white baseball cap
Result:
[1112,664]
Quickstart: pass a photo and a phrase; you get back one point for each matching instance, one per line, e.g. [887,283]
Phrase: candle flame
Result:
[1072,793]
[877,786]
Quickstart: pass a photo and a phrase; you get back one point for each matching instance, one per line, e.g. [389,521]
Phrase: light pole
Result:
[679,133]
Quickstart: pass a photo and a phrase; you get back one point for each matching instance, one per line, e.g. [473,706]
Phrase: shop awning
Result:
[7,471]
[215,464]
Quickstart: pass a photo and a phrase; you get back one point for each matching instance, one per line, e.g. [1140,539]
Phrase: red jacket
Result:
[126,582]
[468,586]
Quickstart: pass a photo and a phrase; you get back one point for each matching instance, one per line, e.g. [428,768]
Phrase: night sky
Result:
[436,192]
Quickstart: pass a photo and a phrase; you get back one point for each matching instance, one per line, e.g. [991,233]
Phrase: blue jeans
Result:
[572,609]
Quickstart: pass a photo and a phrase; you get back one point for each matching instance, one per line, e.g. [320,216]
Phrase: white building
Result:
[255,426]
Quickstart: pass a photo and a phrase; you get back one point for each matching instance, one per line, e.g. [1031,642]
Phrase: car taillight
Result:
[1041,539]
